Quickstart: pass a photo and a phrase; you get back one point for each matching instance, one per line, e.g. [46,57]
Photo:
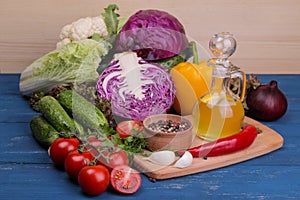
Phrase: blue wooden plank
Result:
[269,160]
[26,172]
[15,108]
[44,182]
[9,84]
[288,83]
[18,146]
[248,182]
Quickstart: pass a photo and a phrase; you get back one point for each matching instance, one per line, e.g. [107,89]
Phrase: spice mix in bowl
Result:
[168,132]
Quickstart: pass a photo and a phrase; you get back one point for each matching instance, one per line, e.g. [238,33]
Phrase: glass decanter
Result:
[220,112]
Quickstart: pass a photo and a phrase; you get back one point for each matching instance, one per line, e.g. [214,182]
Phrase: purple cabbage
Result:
[152,34]
[138,90]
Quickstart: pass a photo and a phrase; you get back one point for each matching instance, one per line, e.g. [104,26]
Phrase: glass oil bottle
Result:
[220,112]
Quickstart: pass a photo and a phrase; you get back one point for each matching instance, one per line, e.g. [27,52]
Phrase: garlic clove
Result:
[185,160]
[163,158]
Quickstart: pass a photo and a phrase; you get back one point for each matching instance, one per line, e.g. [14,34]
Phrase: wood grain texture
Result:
[266,142]
[267,31]
[27,173]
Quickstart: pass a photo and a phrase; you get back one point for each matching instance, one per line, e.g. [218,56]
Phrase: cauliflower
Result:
[62,43]
[82,29]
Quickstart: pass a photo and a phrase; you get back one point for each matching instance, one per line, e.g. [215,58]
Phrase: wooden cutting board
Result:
[266,142]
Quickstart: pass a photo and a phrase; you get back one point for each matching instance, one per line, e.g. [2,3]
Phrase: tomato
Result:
[125,179]
[94,142]
[75,161]
[124,128]
[94,146]
[115,159]
[94,180]
[60,148]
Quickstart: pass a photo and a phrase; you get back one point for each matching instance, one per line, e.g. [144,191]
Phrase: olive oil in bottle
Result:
[220,113]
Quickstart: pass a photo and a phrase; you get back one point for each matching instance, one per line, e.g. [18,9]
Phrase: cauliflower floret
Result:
[99,26]
[81,29]
[65,32]
[62,43]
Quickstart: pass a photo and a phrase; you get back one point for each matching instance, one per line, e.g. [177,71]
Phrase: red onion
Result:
[267,102]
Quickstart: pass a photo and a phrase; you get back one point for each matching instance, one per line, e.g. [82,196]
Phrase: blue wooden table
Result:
[26,172]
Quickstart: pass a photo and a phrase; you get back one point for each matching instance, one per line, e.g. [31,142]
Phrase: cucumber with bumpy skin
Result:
[82,111]
[79,128]
[43,132]
[56,115]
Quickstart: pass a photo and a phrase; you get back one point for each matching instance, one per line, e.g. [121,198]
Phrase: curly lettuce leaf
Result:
[111,19]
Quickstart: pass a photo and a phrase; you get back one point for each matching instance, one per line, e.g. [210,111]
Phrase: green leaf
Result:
[111,19]
[96,37]
[75,62]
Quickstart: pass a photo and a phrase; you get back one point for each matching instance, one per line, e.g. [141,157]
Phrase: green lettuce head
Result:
[74,62]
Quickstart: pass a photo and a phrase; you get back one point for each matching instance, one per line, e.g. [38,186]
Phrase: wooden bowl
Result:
[167,141]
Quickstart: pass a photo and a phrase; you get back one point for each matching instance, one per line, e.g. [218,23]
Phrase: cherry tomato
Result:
[75,161]
[93,180]
[94,142]
[125,179]
[124,128]
[115,159]
[60,148]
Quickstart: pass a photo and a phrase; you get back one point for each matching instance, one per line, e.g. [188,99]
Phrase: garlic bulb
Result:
[163,158]
[185,160]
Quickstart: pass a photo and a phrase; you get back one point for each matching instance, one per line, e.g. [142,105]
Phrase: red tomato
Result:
[124,128]
[93,180]
[60,148]
[94,143]
[115,159]
[75,161]
[125,179]
[93,140]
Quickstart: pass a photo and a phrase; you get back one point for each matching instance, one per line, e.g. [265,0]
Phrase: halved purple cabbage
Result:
[152,34]
[136,88]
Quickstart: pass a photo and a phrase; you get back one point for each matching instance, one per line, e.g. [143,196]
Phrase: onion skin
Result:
[267,102]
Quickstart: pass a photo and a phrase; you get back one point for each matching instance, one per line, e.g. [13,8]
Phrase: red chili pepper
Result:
[226,145]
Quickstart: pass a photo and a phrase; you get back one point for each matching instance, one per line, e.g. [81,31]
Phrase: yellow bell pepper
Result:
[192,81]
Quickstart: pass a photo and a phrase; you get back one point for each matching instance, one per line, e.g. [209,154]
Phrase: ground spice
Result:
[169,126]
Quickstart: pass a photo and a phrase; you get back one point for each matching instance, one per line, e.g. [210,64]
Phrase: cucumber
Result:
[79,128]
[43,132]
[82,111]
[56,115]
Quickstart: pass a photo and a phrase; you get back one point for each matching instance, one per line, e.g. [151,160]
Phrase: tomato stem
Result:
[90,147]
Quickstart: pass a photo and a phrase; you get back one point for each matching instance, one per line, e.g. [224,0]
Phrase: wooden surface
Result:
[267,30]
[266,142]
[27,173]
